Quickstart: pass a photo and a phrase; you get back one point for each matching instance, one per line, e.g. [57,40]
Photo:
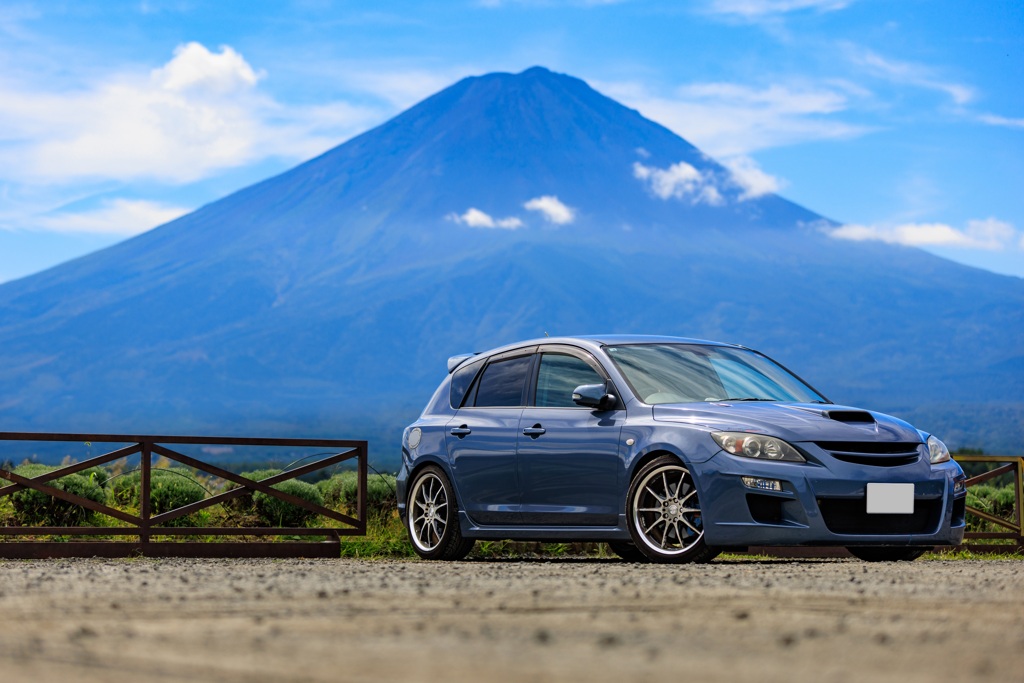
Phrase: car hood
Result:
[791,421]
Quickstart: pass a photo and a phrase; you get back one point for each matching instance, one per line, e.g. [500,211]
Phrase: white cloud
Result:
[114,217]
[679,181]
[748,176]
[907,73]
[195,67]
[729,119]
[751,9]
[552,209]
[200,113]
[475,218]
[994,120]
[990,234]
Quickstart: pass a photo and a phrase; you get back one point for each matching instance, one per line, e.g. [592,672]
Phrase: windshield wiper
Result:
[749,398]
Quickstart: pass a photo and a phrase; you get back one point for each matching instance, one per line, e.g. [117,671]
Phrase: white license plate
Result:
[890,499]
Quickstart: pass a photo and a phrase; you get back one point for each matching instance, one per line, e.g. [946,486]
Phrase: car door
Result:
[482,439]
[569,465]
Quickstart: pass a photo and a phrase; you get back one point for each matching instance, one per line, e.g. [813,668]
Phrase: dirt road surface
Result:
[568,620]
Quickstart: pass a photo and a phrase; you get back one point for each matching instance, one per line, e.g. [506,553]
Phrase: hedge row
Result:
[174,487]
[33,507]
[995,500]
[340,492]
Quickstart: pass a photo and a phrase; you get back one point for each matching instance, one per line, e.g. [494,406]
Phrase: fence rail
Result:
[1014,534]
[145,525]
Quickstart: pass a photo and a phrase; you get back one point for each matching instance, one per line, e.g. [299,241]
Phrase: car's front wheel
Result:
[886,554]
[627,551]
[432,517]
[664,513]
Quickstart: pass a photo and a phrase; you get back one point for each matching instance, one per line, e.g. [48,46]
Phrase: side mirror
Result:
[594,396]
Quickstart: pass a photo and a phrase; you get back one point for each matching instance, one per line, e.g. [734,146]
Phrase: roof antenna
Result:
[546,333]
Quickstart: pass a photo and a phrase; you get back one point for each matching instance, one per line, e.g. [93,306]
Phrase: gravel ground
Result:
[593,620]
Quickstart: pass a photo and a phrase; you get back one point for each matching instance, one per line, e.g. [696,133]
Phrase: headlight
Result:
[937,451]
[757,446]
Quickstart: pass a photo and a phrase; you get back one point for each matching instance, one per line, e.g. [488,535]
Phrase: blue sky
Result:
[902,119]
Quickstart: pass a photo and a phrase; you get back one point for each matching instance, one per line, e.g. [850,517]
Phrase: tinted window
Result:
[462,380]
[558,376]
[502,382]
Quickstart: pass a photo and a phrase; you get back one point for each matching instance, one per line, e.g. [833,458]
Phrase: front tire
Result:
[886,554]
[664,514]
[432,517]
[627,551]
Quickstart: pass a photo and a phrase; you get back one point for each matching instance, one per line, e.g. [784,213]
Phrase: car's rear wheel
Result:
[432,517]
[664,513]
[886,553]
[627,551]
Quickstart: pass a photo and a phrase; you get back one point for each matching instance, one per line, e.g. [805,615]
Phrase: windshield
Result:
[692,373]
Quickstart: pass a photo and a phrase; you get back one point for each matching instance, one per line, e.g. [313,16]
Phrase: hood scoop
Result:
[850,416]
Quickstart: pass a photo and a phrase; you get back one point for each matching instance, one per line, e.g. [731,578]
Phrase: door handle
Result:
[534,431]
[460,431]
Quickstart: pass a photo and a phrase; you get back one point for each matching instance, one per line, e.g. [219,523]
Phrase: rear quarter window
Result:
[462,380]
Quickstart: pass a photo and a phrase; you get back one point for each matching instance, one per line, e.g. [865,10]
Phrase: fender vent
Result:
[851,416]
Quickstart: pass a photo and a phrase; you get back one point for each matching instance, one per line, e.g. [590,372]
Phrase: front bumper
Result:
[823,503]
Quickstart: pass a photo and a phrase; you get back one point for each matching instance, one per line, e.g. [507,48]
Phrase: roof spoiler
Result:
[456,361]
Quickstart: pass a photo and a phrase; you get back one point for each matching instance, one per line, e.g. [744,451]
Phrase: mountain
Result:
[325,301]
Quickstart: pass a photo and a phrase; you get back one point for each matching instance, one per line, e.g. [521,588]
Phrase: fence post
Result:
[144,490]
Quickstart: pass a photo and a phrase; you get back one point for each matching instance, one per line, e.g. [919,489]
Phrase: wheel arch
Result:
[416,467]
[698,550]
[653,452]
[649,454]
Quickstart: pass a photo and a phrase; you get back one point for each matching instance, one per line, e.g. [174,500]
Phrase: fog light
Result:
[959,485]
[762,484]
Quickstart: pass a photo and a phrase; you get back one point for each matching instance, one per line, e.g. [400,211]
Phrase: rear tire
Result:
[886,553]
[664,514]
[432,517]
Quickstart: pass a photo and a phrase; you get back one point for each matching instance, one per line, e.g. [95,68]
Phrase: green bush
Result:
[340,492]
[33,507]
[276,512]
[991,499]
[244,502]
[168,489]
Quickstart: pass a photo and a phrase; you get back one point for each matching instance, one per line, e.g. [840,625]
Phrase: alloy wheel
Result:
[428,516]
[666,512]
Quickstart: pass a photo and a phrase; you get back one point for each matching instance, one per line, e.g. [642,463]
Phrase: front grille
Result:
[877,460]
[872,453]
[850,516]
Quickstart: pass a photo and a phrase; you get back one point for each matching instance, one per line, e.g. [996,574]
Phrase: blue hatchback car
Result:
[669,450]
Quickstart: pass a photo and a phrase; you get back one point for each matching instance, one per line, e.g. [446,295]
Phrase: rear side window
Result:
[462,380]
[558,376]
[502,383]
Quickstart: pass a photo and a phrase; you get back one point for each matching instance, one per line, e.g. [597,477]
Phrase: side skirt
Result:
[544,533]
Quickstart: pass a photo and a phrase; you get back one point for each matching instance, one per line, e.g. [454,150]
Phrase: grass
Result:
[385,538]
